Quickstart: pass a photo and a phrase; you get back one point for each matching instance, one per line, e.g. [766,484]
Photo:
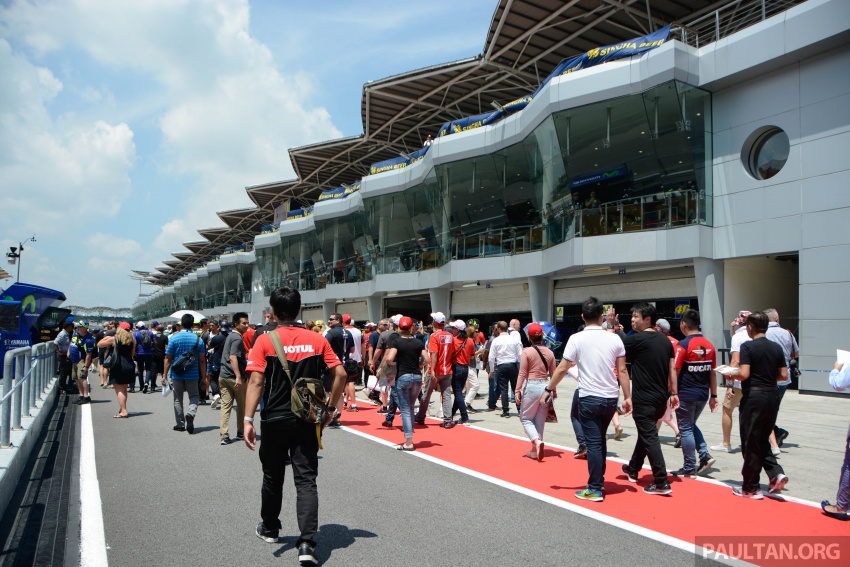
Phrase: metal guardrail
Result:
[731,18]
[27,371]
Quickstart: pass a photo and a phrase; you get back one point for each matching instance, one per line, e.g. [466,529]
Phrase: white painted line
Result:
[598,516]
[92,535]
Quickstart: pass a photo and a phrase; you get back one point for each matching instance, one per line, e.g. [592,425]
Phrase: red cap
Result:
[535,330]
[346,318]
[124,325]
[405,323]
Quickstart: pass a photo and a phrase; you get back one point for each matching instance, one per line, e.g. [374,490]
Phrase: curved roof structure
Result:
[526,40]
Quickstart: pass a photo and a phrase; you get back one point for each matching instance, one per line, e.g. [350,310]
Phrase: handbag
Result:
[111,359]
[309,399]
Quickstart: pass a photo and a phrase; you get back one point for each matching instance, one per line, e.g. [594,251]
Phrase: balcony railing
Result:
[731,18]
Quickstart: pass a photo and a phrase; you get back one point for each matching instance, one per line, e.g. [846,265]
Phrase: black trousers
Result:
[646,415]
[507,375]
[64,371]
[757,417]
[300,442]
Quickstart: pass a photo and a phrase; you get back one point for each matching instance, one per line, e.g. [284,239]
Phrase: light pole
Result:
[14,257]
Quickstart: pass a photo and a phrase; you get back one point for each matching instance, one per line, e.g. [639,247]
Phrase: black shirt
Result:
[649,353]
[341,342]
[765,358]
[160,343]
[216,345]
[409,352]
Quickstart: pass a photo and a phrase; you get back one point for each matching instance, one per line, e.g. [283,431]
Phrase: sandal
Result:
[540,452]
[353,408]
[403,448]
[121,416]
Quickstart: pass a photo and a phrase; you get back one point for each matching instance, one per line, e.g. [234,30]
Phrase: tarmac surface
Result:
[169,498]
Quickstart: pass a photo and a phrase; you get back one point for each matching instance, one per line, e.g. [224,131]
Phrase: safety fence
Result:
[27,373]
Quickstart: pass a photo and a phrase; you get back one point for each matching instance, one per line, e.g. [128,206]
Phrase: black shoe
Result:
[387,423]
[239,437]
[268,536]
[630,474]
[581,453]
[334,422]
[145,389]
[678,443]
[505,414]
[307,554]
[78,401]
[705,464]
[226,441]
[683,473]
[190,424]
[655,488]
[383,409]
[490,409]
[179,428]
[781,436]
[419,421]
[471,409]
[132,390]
[447,425]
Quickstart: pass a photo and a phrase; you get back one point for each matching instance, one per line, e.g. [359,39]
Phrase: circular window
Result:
[765,152]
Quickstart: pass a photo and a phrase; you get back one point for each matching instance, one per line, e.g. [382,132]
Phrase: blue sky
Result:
[125,126]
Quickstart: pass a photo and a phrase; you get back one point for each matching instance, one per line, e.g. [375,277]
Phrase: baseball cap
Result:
[140,325]
[534,330]
[396,319]
[346,318]
[405,322]
[741,320]
[225,325]
[459,325]
[370,324]
[154,323]
[124,325]
[319,323]
[438,317]
[663,324]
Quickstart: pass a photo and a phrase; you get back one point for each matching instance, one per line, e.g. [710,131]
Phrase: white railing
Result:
[731,18]
[27,372]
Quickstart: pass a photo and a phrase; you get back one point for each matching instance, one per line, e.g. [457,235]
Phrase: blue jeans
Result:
[687,415]
[843,498]
[460,373]
[532,413]
[576,422]
[392,403]
[493,391]
[407,386]
[144,363]
[595,415]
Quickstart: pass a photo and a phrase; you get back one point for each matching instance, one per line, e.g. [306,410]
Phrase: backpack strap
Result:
[278,349]
[542,358]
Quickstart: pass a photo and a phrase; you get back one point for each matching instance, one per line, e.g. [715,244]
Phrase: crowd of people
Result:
[644,373]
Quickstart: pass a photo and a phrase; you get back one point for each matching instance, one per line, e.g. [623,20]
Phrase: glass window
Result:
[766,151]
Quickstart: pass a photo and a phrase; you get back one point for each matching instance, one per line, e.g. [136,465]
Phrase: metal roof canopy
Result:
[525,41]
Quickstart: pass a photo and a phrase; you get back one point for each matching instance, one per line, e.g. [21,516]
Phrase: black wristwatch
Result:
[547,389]
[713,395]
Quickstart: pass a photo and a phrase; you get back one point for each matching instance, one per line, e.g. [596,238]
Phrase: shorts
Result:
[737,394]
[78,371]
[158,366]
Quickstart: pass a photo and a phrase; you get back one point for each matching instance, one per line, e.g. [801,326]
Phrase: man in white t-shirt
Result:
[733,388]
[597,353]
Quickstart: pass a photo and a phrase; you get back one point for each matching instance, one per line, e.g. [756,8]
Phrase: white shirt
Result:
[740,337]
[358,343]
[514,334]
[595,351]
[504,350]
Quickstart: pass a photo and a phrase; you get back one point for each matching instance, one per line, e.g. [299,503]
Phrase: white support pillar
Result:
[709,275]
[328,307]
[374,305]
[440,300]
[541,294]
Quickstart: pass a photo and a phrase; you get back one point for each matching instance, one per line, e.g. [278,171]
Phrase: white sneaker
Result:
[776,451]
[216,402]
[721,448]
[777,483]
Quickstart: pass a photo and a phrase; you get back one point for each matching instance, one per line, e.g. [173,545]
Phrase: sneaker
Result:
[268,536]
[387,423]
[334,422]
[78,401]
[631,475]
[781,436]
[757,495]
[655,488]
[618,432]
[682,473]
[777,483]
[505,414]
[581,453]
[419,421]
[226,441]
[490,409]
[216,403]
[447,425]
[307,554]
[178,428]
[471,409]
[239,437]
[190,424]
[776,452]
[384,409]
[721,448]
[465,422]
[145,389]
[705,464]
[678,443]
[588,494]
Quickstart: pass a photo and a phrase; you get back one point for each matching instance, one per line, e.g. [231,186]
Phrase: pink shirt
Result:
[532,368]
